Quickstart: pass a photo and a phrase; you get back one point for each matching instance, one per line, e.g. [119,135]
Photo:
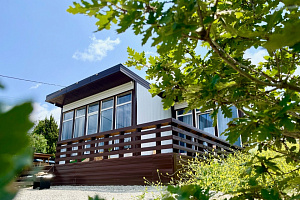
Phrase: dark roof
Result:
[112,77]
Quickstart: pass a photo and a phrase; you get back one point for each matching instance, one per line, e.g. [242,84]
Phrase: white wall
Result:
[102,95]
[149,108]
[178,106]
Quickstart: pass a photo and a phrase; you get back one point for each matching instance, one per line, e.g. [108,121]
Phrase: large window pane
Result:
[107,104]
[67,126]
[181,112]
[79,127]
[68,115]
[206,123]
[123,116]
[67,130]
[223,121]
[106,120]
[186,118]
[124,98]
[80,112]
[92,124]
[93,108]
[79,123]
[92,119]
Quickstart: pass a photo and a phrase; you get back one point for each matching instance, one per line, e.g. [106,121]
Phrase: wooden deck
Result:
[124,156]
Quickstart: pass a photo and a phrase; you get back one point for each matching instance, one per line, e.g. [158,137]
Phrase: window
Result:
[79,122]
[223,123]
[186,118]
[92,119]
[205,122]
[67,125]
[107,115]
[123,112]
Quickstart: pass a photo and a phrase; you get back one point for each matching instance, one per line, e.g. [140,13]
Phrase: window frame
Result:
[76,117]
[99,111]
[63,121]
[90,114]
[118,105]
[198,113]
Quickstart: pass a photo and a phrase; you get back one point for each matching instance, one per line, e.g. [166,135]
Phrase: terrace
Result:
[124,156]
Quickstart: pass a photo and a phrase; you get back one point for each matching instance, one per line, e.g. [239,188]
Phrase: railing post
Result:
[137,138]
[158,135]
[121,147]
[79,147]
[105,143]
[57,151]
[68,155]
[92,146]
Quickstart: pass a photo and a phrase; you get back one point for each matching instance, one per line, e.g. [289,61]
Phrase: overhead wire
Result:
[22,79]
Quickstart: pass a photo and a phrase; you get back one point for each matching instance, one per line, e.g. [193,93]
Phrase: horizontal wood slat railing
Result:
[163,136]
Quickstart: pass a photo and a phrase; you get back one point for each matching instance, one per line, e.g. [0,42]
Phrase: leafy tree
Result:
[39,143]
[15,152]
[268,93]
[48,128]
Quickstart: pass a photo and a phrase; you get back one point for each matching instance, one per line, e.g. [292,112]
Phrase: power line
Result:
[21,79]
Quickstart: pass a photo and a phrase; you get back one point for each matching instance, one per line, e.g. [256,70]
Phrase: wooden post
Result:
[158,135]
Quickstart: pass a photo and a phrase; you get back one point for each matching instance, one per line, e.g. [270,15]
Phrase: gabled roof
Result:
[112,77]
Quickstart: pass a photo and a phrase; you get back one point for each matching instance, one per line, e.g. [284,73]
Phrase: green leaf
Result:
[288,37]
[15,153]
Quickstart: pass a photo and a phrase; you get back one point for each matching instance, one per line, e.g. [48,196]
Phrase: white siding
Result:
[96,97]
[178,106]
[149,108]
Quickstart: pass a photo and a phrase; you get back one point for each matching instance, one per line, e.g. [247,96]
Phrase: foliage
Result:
[49,129]
[241,170]
[95,198]
[39,143]
[188,192]
[15,153]
[267,92]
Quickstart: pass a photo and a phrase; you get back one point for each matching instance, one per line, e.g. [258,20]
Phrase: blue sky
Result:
[41,41]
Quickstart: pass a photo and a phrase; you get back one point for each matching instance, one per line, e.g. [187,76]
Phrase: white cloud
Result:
[41,111]
[256,57]
[36,86]
[97,50]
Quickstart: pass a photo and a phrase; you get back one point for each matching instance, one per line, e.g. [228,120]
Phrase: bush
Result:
[242,172]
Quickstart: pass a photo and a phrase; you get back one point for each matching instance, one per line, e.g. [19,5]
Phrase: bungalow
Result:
[113,132]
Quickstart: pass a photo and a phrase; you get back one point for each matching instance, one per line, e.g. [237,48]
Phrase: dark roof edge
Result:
[100,75]
[134,76]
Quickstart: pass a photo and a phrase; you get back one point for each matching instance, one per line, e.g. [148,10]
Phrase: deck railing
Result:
[163,136]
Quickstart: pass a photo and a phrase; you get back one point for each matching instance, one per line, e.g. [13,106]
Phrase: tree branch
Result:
[234,64]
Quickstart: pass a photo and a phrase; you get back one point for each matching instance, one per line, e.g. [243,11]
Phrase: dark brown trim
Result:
[194,117]
[99,116]
[173,112]
[134,105]
[240,114]
[99,82]
[118,171]
[85,120]
[61,123]
[73,127]
[114,112]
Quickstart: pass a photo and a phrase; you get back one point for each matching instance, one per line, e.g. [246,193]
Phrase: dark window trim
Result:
[85,106]
[115,112]
[86,123]
[114,97]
